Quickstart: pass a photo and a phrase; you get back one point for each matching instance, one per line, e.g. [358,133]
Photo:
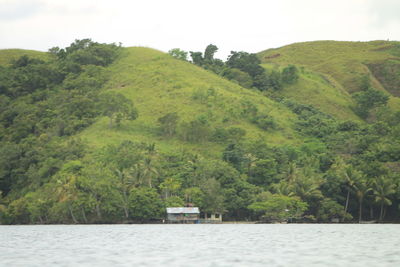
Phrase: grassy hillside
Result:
[343,64]
[159,84]
[8,55]
[218,146]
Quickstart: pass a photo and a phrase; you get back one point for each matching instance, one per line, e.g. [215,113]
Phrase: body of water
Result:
[201,245]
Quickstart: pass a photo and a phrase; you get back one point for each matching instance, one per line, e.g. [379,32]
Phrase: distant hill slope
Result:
[342,65]
[8,55]
[159,84]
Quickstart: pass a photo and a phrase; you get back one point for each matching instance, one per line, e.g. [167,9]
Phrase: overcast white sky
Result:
[250,25]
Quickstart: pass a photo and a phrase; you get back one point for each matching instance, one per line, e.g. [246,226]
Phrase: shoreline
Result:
[216,223]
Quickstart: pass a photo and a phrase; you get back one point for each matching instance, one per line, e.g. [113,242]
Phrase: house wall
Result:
[182,217]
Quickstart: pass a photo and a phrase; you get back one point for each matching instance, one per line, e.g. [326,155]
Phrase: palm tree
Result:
[361,188]
[126,181]
[307,185]
[283,188]
[149,170]
[292,172]
[383,188]
[67,192]
[350,175]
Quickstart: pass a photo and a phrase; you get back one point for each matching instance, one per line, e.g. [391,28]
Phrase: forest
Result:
[333,169]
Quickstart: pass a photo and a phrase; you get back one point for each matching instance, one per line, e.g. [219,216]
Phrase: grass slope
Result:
[159,84]
[343,63]
[8,55]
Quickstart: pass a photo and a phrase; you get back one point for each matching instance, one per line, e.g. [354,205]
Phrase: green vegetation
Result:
[97,133]
[7,56]
[336,70]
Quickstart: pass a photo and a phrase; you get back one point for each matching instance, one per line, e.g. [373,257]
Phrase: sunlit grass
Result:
[159,84]
[8,55]
[344,62]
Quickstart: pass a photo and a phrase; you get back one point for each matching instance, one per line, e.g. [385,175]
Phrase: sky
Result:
[232,25]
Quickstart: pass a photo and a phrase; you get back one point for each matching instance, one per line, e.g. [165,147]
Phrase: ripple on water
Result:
[200,245]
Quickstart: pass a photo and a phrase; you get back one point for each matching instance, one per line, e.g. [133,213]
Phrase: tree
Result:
[279,208]
[117,107]
[97,182]
[290,74]
[209,53]
[194,195]
[263,172]
[242,78]
[66,186]
[197,130]
[178,54]
[145,204]
[85,52]
[125,183]
[168,123]
[349,176]
[361,188]
[170,187]
[213,200]
[307,186]
[146,171]
[383,188]
[368,100]
[197,58]
[174,201]
[270,80]
[246,62]
[330,209]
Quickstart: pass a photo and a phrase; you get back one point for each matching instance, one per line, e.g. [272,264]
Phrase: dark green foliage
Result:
[116,107]
[265,122]
[85,52]
[369,99]
[208,61]
[168,124]
[245,62]
[233,134]
[241,77]
[178,54]
[347,126]
[197,130]
[330,210]
[145,204]
[290,75]
[197,58]
[278,208]
[213,200]
[245,69]
[209,53]
[42,101]
[312,121]
[268,80]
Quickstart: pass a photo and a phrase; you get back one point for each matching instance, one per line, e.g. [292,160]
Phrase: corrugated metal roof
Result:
[183,210]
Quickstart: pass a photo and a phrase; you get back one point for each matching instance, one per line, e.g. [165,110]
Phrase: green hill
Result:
[159,84]
[341,67]
[8,55]
[98,133]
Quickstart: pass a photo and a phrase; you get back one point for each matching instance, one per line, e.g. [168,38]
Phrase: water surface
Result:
[200,245]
